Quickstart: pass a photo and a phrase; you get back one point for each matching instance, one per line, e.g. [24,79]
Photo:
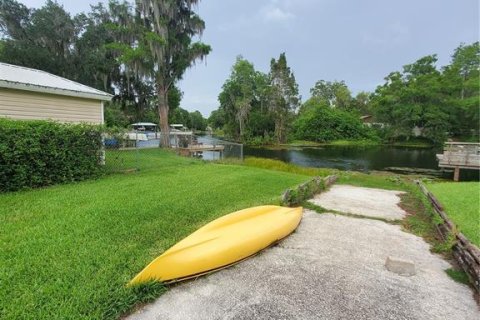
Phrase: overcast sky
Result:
[360,42]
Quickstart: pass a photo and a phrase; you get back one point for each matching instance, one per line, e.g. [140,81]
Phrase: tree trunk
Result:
[241,125]
[162,94]
[462,92]
[280,130]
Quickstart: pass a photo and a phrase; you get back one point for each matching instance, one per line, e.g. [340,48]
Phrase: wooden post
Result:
[456,174]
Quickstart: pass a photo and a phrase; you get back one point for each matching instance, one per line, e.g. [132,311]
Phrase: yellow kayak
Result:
[222,242]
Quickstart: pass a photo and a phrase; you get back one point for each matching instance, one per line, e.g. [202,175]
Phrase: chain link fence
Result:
[133,150]
[230,149]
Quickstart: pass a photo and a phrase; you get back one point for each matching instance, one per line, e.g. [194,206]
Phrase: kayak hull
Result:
[222,242]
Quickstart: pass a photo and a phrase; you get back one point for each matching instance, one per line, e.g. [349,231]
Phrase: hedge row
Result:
[41,153]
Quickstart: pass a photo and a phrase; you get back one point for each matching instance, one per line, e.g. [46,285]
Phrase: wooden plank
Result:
[435,201]
[464,160]
[461,167]
[456,174]
[207,147]
[469,246]
[460,155]
[462,143]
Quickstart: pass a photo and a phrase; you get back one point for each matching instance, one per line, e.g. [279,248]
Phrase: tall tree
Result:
[162,47]
[217,119]
[461,81]
[39,38]
[283,98]
[335,93]
[109,48]
[361,103]
[15,17]
[414,98]
[197,121]
[238,96]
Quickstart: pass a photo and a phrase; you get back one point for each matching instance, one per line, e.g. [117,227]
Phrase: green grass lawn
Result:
[68,251]
[461,201]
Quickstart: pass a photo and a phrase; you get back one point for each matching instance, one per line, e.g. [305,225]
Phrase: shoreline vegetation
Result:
[409,143]
[353,143]
[422,105]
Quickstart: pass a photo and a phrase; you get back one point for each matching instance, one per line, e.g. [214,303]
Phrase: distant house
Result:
[417,131]
[366,118]
[34,94]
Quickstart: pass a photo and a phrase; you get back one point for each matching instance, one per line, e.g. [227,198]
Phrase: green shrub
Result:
[321,123]
[260,140]
[41,153]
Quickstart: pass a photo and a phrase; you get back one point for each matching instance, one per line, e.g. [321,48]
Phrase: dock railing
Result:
[460,155]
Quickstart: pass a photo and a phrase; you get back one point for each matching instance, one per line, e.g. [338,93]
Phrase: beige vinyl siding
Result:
[24,105]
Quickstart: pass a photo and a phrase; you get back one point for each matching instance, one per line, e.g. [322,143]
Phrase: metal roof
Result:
[22,78]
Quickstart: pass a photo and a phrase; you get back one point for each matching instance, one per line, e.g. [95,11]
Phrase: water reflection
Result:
[358,158]
[352,158]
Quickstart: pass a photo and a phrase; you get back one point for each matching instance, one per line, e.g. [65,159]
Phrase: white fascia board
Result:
[62,92]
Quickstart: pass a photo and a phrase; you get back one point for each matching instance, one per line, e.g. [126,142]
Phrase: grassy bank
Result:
[304,143]
[355,143]
[277,165]
[412,144]
[68,251]
[462,204]
[365,143]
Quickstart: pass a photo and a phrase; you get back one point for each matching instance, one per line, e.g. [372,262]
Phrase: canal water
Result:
[355,158]
[351,157]
[364,158]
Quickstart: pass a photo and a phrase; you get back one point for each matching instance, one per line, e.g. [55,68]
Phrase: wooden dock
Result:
[460,155]
[196,149]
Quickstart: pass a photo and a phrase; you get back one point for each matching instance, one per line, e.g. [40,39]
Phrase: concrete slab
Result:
[332,267]
[370,202]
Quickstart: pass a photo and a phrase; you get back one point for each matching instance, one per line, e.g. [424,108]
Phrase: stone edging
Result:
[465,252]
[295,196]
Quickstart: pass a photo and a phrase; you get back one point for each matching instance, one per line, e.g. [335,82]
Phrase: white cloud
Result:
[273,12]
[276,14]
[277,11]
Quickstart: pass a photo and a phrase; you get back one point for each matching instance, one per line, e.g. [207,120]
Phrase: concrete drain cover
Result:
[400,266]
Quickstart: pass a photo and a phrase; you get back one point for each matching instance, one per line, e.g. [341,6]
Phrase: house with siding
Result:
[30,94]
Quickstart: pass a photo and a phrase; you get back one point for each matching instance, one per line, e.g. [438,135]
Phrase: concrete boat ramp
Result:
[332,267]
